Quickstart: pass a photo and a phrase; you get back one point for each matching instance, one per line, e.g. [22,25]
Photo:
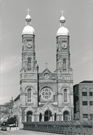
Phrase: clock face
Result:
[64,45]
[29,44]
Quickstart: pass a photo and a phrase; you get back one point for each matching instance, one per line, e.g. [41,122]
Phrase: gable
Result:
[47,75]
[46,71]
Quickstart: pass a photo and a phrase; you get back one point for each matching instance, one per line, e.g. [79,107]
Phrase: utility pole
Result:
[11,106]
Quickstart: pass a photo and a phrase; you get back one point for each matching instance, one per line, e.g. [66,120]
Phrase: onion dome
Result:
[62,30]
[28,29]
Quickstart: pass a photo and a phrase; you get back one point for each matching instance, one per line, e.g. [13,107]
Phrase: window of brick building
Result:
[84,93]
[90,93]
[84,102]
[91,103]
[85,115]
[91,116]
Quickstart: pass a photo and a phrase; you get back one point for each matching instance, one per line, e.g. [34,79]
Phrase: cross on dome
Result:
[62,12]
[62,30]
[28,17]
[28,29]
[28,10]
[62,19]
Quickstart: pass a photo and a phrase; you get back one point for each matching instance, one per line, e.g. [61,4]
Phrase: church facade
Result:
[46,96]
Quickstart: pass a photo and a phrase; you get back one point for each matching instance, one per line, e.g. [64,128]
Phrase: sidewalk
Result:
[38,133]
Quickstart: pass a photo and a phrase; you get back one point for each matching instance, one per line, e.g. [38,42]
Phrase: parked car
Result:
[4,128]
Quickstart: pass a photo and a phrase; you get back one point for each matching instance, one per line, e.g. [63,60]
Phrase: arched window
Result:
[29,64]
[29,95]
[64,64]
[66,116]
[29,116]
[65,95]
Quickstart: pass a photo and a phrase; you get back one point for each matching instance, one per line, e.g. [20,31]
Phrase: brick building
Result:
[83,100]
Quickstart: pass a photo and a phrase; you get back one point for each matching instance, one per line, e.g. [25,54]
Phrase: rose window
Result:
[46,93]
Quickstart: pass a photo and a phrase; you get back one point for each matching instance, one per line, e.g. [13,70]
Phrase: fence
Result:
[60,127]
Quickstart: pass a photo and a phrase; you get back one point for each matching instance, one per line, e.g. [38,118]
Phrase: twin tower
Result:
[46,96]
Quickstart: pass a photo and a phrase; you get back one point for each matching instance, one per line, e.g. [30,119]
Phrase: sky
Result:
[45,16]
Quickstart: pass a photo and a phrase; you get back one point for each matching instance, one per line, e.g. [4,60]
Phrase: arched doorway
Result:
[66,116]
[29,116]
[48,115]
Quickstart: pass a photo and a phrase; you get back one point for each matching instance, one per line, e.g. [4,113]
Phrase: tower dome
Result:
[62,30]
[28,29]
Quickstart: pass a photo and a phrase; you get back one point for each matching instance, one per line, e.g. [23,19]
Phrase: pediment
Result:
[46,74]
[29,109]
[46,71]
[48,106]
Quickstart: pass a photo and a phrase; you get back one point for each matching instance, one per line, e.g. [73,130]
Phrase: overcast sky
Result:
[45,20]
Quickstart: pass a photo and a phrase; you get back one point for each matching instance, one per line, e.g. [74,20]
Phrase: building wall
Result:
[82,96]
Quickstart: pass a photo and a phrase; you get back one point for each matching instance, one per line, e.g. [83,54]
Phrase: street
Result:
[24,132]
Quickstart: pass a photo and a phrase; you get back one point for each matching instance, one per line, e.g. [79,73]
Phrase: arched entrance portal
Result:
[29,116]
[48,115]
[66,116]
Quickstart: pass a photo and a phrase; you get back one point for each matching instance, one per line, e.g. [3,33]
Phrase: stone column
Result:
[62,117]
[57,117]
[37,117]
[42,117]
[25,118]
[32,118]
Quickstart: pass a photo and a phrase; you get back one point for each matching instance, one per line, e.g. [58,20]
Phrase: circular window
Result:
[46,93]
[46,75]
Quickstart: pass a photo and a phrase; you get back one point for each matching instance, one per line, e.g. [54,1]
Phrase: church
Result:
[45,96]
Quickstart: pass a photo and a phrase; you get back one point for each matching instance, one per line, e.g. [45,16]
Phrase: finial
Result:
[28,10]
[62,19]
[46,64]
[28,17]
[62,12]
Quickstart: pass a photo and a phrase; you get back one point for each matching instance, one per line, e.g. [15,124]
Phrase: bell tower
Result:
[28,47]
[29,69]
[63,68]
[62,48]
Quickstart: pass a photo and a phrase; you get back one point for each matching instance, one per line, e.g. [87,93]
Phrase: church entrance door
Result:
[66,116]
[29,116]
[47,115]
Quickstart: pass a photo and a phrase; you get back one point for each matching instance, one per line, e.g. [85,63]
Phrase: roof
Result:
[86,81]
[28,30]
[62,31]
[46,70]
[18,97]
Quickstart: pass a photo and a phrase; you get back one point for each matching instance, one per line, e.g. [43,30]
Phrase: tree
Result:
[6,109]
[13,120]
